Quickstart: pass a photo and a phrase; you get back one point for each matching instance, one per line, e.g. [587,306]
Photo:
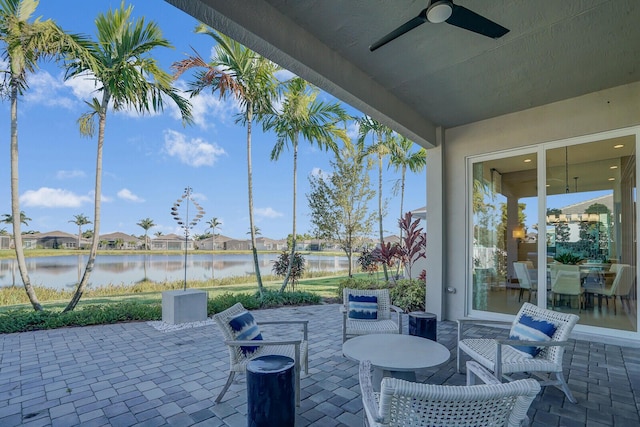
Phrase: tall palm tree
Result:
[146,224]
[402,158]
[213,223]
[303,116]
[380,148]
[126,76]
[250,79]
[80,220]
[25,42]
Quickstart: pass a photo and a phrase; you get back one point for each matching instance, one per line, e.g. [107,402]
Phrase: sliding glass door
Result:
[570,246]
[504,232]
[591,229]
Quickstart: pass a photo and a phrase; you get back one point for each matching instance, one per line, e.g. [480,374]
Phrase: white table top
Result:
[395,352]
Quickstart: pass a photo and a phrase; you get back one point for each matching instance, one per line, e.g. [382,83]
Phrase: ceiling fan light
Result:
[439,11]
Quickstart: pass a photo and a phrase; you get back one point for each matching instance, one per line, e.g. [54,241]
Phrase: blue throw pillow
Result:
[245,328]
[530,329]
[363,307]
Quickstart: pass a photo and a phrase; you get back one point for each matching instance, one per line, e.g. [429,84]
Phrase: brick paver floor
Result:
[131,374]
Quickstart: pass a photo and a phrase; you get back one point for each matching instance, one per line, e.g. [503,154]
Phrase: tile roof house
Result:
[120,240]
[171,242]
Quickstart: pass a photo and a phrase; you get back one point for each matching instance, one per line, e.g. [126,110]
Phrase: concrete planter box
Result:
[184,306]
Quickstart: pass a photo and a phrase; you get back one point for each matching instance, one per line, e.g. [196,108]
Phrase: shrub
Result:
[227,299]
[368,261]
[281,265]
[409,295]
[29,320]
[353,283]
[278,299]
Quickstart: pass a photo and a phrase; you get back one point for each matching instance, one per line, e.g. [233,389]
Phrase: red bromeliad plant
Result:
[413,242]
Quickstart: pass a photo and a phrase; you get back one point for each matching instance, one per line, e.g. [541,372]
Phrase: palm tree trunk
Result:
[250,186]
[95,240]
[293,240]
[384,265]
[404,173]
[15,202]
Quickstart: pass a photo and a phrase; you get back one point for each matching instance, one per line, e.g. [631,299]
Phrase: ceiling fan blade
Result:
[404,28]
[464,18]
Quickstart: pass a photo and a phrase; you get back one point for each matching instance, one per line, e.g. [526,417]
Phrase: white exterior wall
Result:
[592,113]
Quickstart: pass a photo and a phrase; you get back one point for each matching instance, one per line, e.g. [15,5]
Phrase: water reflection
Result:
[61,272]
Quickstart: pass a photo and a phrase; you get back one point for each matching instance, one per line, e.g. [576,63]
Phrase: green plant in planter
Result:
[409,295]
[568,258]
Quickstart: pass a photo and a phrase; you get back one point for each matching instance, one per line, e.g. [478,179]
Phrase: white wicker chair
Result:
[297,349]
[404,403]
[546,365]
[383,325]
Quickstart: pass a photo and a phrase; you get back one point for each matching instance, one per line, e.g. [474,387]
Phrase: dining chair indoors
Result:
[565,280]
[526,282]
[620,287]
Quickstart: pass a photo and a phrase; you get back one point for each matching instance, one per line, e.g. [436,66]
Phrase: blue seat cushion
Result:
[245,328]
[530,329]
[363,307]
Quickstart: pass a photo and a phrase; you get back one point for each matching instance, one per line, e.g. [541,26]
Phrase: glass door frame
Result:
[540,151]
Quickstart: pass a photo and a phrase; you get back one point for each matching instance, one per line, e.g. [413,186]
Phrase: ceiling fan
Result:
[445,11]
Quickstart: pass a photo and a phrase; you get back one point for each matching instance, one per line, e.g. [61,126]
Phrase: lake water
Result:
[60,272]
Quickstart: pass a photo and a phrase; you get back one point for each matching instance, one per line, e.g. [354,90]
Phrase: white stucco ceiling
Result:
[439,75]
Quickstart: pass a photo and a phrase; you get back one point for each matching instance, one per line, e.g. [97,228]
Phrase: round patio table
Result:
[395,355]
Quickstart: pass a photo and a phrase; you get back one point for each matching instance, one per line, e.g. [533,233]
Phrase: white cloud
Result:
[284,75]
[317,172]
[353,128]
[62,174]
[195,152]
[268,213]
[45,89]
[53,198]
[198,196]
[126,194]
[83,86]
[206,108]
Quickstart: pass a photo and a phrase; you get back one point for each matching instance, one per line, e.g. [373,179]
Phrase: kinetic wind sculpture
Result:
[185,224]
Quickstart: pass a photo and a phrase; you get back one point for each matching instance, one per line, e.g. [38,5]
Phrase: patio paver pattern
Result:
[134,375]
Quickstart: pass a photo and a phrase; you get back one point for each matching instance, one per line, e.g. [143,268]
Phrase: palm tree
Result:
[303,116]
[402,158]
[80,220]
[380,148]
[8,218]
[146,225]
[158,233]
[250,78]
[27,41]
[126,76]
[213,223]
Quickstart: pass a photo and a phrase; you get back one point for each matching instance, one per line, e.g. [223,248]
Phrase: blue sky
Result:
[148,161]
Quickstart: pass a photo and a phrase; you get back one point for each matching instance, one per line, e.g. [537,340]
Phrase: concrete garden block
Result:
[184,306]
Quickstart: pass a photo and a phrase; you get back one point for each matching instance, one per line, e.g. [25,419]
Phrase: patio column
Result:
[435,228]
